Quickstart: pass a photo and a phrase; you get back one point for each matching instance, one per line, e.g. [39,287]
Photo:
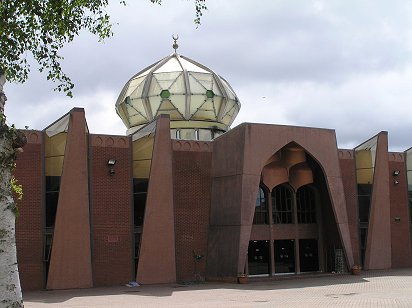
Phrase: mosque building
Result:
[182,197]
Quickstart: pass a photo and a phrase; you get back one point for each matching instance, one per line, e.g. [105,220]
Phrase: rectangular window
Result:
[364,200]
[139,199]
[52,198]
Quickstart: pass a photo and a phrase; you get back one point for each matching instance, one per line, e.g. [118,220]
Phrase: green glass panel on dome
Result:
[165,94]
[210,94]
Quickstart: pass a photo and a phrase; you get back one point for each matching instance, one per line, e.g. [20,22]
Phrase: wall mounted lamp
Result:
[111,162]
[396,172]
[395,182]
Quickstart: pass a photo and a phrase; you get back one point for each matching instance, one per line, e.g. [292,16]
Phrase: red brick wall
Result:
[29,225]
[348,171]
[111,211]
[192,188]
[401,244]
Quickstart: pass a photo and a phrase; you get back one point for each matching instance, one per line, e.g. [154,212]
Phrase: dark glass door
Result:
[308,255]
[284,256]
[258,257]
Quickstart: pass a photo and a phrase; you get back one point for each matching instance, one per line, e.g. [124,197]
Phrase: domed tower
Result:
[201,104]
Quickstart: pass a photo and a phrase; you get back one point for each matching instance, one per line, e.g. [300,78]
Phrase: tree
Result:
[40,28]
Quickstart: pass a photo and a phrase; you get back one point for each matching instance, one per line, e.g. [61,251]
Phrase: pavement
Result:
[389,288]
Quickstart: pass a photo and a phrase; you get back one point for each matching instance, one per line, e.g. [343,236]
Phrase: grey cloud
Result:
[265,48]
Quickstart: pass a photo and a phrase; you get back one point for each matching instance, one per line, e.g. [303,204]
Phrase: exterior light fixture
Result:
[395,182]
[111,162]
[396,172]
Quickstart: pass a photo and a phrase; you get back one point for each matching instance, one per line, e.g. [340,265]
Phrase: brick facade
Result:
[348,170]
[191,185]
[29,224]
[401,244]
[111,211]
[200,206]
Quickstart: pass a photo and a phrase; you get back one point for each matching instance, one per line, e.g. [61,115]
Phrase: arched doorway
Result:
[297,204]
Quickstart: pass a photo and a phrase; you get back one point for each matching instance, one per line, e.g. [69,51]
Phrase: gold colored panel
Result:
[363,159]
[143,148]
[141,168]
[364,176]
[54,154]
[55,145]
[54,165]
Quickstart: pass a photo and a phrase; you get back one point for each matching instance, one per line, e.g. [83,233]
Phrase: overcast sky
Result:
[345,64]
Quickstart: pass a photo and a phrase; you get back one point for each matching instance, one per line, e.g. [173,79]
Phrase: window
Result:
[364,200]
[261,209]
[52,198]
[282,205]
[306,205]
[139,197]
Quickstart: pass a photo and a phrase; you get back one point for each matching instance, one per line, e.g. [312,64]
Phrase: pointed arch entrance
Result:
[300,234]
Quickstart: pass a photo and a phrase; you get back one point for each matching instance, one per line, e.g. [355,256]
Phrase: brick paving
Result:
[392,288]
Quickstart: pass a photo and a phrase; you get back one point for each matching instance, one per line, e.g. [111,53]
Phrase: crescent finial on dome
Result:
[175,38]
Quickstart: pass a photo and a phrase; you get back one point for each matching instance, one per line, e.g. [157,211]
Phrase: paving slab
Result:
[389,288]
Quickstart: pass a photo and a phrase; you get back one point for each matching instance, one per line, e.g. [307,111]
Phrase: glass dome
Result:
[198,101]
